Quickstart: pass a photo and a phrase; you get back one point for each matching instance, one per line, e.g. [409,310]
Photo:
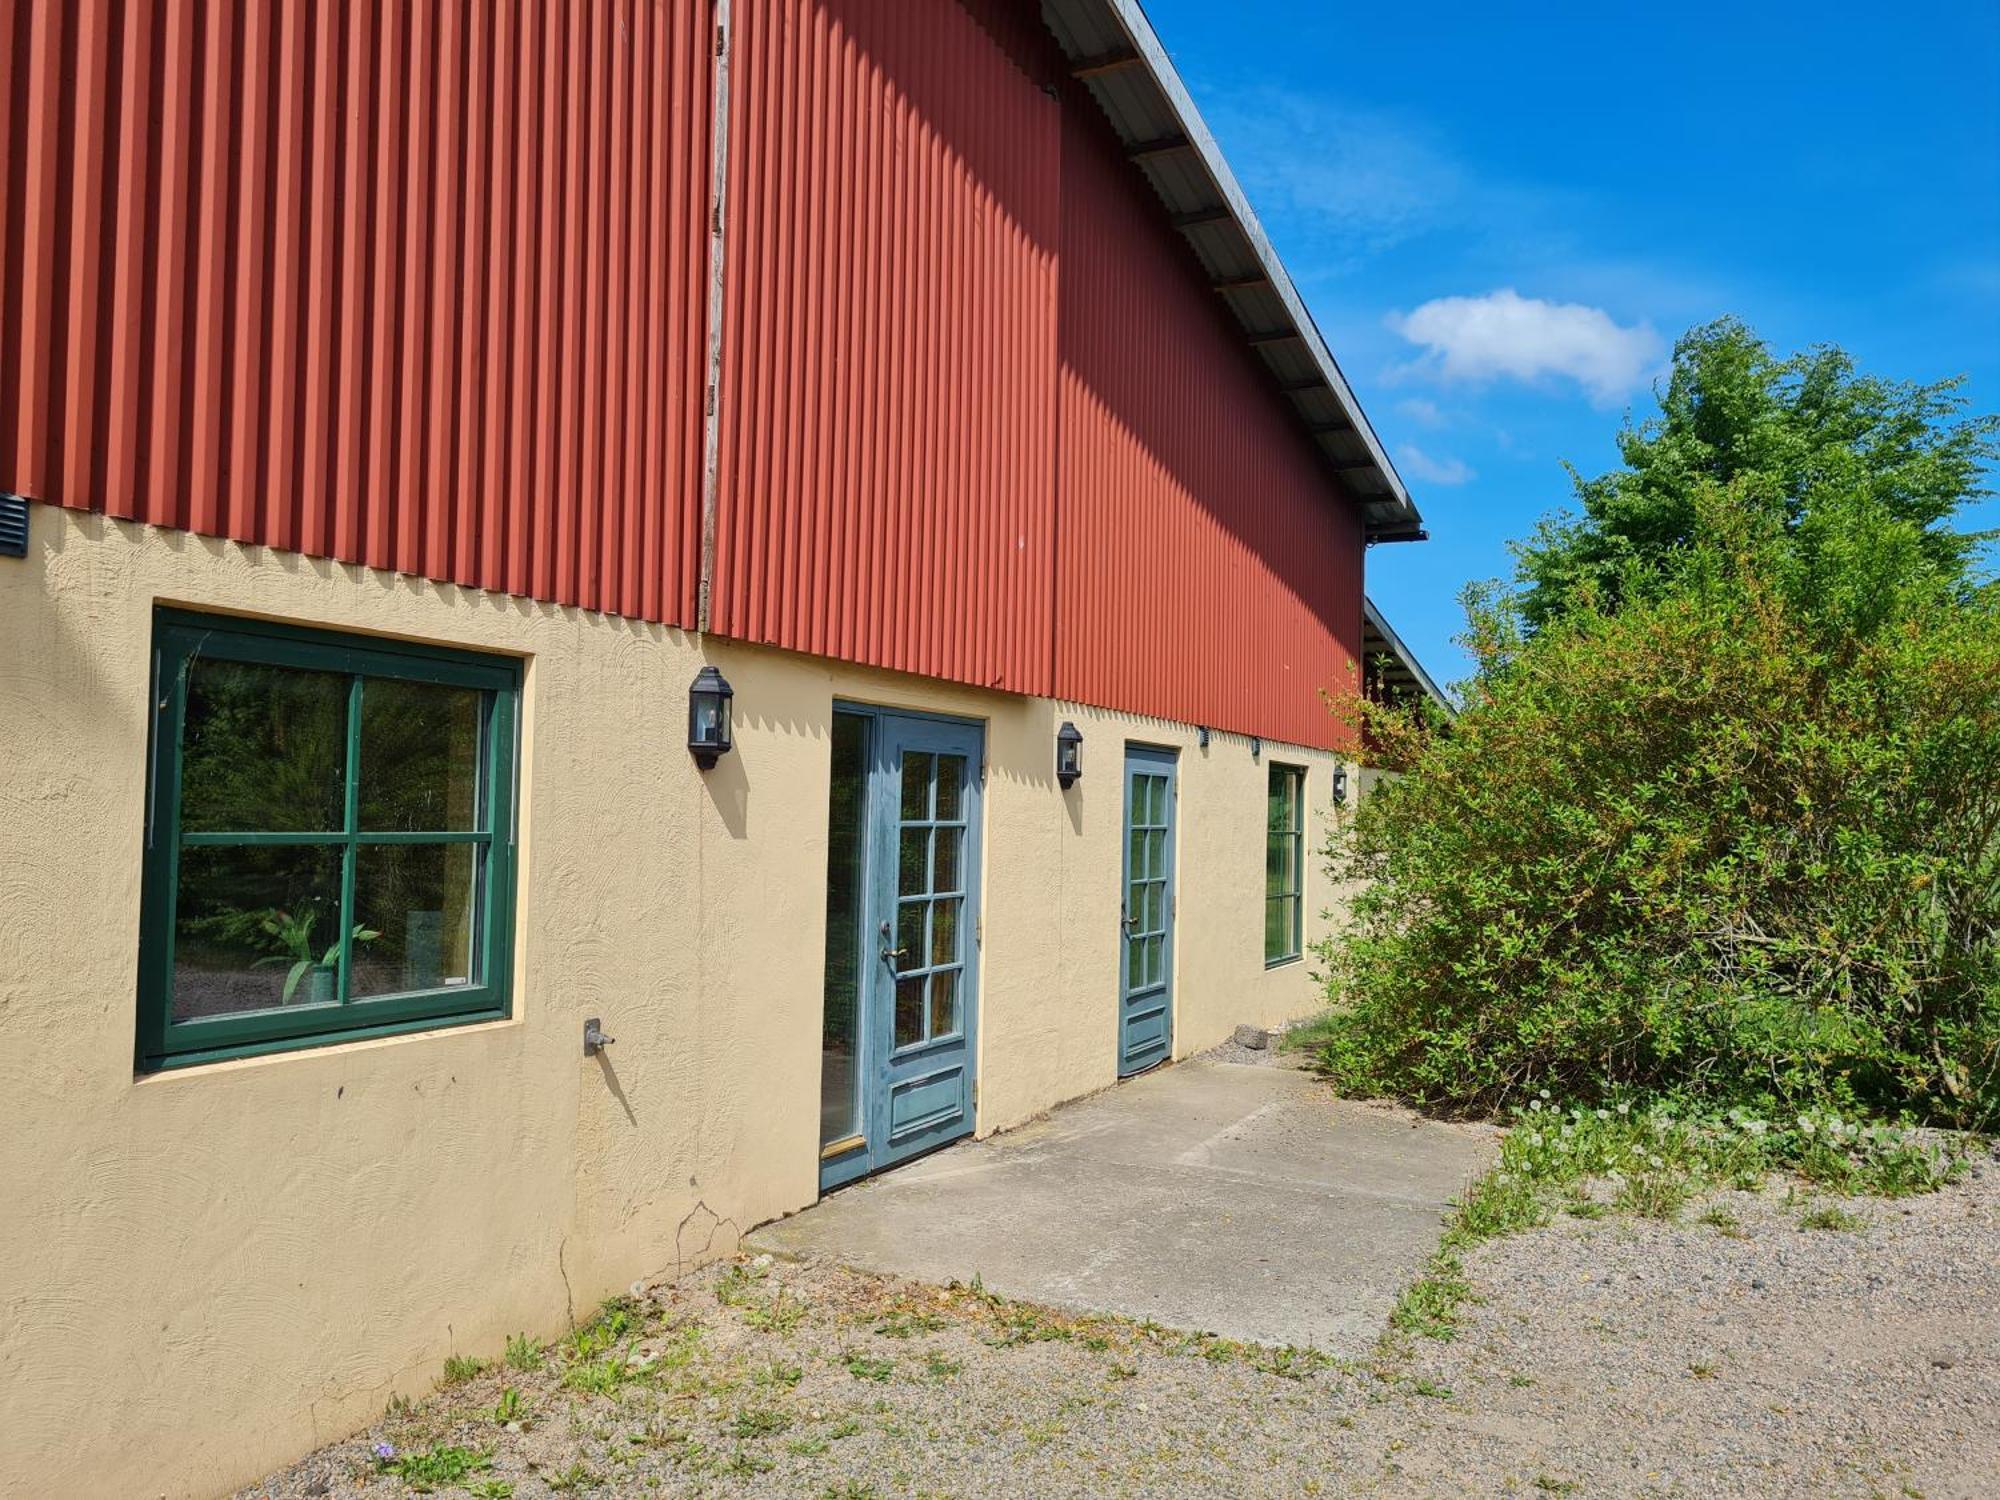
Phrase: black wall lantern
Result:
[1339,786]
[1201,735]
[1069,754]
[708,717]
[1256,747]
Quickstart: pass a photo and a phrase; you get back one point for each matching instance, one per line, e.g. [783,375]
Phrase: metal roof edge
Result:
[1131,18]
[1375,620]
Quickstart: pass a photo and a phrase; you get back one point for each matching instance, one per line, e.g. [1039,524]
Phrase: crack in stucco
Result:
[569,1295]
[682,1259]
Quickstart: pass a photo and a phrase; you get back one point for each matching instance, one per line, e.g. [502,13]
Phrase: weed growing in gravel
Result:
[1827,1216]
[779,1374]
[524,1354]
[780,1313]
[1655,1159]
[1723,1221]
[511,1407]
[425,1471]
[760,1421]
[577,1476]
[1431,1389]
[1657,1194]
[864,1366]
[460,1368]
[1429,1306]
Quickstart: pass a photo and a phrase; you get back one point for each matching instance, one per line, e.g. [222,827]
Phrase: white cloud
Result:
[1419,465]
[1506,335]
[1423,413]
[1344,183]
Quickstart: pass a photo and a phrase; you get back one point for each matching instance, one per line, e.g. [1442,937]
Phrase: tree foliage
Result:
[1806,431]
[1726,822]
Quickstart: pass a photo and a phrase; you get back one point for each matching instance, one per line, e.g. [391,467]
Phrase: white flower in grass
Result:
[1624,1109]
[1535,1105]
[1805,1124]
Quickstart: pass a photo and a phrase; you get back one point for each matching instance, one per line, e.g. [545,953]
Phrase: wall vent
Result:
[13,526]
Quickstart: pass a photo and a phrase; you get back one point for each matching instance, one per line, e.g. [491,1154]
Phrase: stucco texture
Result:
[205,1272]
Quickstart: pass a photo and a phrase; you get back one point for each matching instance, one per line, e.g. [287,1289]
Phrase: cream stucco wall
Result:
[203,1273]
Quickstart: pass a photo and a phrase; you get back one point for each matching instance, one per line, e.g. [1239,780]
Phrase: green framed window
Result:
[330,839]
[1284,865]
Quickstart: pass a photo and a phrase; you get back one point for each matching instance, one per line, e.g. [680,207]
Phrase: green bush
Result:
[1736,837]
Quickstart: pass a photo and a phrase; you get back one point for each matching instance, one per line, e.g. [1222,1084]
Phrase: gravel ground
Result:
[1608,1357]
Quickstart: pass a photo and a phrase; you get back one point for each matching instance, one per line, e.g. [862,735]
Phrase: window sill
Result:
[1285,962]
[278,1050]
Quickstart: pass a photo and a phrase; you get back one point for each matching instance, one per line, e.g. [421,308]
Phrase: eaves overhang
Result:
[1392,667]
[1112,49]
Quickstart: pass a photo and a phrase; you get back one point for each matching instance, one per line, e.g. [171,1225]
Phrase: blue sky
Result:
[1501,221]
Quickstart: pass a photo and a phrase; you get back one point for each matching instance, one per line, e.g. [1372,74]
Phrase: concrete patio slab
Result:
[1238,1200]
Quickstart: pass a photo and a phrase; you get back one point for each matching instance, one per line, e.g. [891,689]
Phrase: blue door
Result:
[1146,962]
[902,949]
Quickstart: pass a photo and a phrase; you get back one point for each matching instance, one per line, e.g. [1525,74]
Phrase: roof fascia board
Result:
[1146,43]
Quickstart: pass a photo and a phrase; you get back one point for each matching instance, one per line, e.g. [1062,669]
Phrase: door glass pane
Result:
[909,1010]
[420,766]
[910,934]
[1156,968]
[840,1031]
[1156,906]
[916,786]
[1135,962]
[912,878]
[944,931]
[416,915]
[945,875]
[256,927]
[944,1002]
[1156,853]
[264,749]
[1137,855]
[950,787]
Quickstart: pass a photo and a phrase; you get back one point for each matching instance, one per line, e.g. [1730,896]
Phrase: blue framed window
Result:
[330,839]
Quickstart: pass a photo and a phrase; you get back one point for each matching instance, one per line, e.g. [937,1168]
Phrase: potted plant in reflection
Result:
[291,934]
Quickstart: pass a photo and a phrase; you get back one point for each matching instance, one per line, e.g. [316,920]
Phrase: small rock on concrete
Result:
[1256,1038]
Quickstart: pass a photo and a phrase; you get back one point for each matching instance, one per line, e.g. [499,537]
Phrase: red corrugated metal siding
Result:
[1208,570]
[888,419]
[421,286]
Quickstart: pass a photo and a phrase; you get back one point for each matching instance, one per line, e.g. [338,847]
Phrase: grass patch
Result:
[433,1467]
[1429,1307]
[759,1422]
[524,1354]
[865,1366]
[1656,1159]
[1828,1216]
[1721,1220]
[460,1368]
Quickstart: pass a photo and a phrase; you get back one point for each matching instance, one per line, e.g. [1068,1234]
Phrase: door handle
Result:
[890,955]
[1131,923]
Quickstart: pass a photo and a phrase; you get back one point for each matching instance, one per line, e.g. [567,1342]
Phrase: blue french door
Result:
[902,951]
[1146,961]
